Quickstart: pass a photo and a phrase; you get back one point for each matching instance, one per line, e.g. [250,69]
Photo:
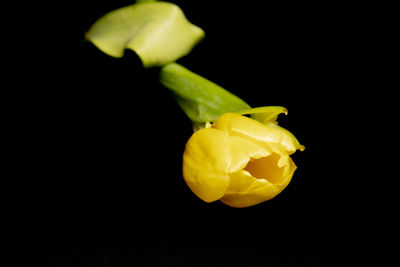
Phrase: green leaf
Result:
[201,99]
[157,31]
[264,114]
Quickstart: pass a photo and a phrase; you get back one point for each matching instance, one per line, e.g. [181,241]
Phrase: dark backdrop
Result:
[106,139]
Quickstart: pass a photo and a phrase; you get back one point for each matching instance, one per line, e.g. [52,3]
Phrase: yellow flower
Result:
[239,161]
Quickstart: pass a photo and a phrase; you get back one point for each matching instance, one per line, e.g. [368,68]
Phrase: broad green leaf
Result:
[157,31]
[201,99]
[264,114]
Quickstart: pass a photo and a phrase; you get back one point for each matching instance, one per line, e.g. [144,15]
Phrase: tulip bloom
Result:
[240,161]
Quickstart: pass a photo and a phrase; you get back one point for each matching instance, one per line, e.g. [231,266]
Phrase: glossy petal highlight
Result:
[261,133]
[205,164]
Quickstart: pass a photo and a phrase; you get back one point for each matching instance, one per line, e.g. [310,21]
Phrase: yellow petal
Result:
[287,174]
[287,136]
[259,133]
[241,150]
[261,180]
[206,161]
[255,190]
[269,169]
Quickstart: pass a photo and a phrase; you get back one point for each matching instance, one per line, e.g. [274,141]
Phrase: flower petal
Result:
[286,136]
[287,174]
[266,134]
[241,150]
[206,161]
[245,190]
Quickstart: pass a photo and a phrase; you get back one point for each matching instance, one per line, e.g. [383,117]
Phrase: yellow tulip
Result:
[240,161]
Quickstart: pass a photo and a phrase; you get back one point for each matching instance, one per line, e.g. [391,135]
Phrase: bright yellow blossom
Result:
[240,161]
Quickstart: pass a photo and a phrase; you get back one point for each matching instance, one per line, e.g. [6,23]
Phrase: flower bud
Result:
[239,160]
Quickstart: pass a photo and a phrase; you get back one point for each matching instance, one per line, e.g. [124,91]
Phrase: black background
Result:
[104,141]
